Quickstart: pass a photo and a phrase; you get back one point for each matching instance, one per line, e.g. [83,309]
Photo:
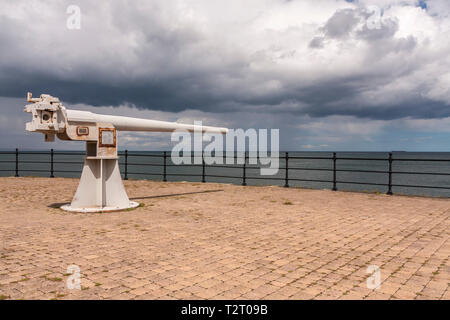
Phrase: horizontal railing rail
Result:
[129,167]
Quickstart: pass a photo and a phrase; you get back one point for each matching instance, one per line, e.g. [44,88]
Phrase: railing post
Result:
[389,192]
[126,165]
[244,178]
[286,177]
[165,167]
[334,171]
[51,163]
[203,168]
[17,162]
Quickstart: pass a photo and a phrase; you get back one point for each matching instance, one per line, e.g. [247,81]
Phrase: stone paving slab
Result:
[233,243]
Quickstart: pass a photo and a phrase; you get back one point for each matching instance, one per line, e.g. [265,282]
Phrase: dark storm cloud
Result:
[341,23]
[152,56]
[316,42]
[339,97]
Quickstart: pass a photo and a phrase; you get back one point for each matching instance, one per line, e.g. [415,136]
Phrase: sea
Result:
[412,172]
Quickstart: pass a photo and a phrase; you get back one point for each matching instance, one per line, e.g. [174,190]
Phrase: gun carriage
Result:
[100,187]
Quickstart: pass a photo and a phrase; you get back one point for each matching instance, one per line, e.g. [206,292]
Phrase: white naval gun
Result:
[100,187]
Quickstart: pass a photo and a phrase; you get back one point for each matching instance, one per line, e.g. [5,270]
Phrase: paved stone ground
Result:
[237,243]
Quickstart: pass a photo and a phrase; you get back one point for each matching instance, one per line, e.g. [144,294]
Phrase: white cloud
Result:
[212,54]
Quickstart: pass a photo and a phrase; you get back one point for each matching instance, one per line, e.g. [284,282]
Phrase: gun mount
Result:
[100,187]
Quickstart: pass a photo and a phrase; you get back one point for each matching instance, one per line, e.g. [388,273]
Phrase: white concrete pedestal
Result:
[100,188]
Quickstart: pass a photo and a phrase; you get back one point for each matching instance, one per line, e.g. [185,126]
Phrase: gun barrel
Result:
[136,124]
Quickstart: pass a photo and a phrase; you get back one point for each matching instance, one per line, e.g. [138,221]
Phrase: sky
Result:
[331,75]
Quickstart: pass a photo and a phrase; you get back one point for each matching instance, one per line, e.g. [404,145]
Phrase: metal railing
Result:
[243,177]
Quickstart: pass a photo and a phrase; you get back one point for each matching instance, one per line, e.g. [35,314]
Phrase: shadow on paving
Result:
[175,194]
